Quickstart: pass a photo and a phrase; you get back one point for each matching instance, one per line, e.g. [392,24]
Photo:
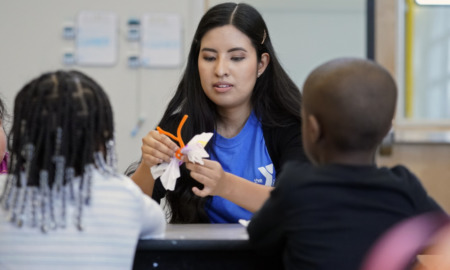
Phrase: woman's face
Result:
[228,67]
[2,141]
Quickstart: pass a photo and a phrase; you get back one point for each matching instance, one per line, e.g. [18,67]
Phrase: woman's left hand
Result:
[211,175]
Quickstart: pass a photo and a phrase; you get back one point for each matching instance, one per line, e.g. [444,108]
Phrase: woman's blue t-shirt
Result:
[246,156]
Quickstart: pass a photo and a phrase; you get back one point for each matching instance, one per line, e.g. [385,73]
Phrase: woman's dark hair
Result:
[62,126]
[275,98]
[3,115]
[2,109]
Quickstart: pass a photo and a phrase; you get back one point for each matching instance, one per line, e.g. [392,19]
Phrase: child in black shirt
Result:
[328,216]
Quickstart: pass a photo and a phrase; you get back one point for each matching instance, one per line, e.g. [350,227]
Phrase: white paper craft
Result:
[195,152]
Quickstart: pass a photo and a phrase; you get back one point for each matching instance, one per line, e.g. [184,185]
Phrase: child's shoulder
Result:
[295,173]
[405,176]
[296,165]
[402,171]
[116,181]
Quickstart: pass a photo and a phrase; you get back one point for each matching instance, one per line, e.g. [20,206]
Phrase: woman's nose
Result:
[221,67]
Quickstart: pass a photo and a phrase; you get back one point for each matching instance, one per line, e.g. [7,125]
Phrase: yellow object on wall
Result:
[409,59]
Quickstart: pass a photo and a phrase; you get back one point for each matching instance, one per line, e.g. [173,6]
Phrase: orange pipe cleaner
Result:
[178,138]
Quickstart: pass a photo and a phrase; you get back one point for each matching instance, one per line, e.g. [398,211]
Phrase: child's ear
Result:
[314,128]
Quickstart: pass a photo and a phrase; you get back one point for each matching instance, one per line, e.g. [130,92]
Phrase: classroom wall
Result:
[32,43]
[305,34]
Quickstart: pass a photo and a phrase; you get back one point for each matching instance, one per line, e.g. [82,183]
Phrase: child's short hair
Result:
[62,126]
[354,99]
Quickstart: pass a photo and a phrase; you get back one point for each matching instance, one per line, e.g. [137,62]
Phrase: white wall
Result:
[305,33]
[31,43]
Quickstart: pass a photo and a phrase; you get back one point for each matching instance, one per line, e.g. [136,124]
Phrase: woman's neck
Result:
[232,121]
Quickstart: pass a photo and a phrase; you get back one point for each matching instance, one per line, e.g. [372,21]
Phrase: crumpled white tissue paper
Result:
[194,150]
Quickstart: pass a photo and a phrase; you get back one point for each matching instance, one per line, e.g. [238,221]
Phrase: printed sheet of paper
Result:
[161,44]
[96,38]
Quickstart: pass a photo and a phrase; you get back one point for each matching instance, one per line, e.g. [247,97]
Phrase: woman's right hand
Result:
[157,148]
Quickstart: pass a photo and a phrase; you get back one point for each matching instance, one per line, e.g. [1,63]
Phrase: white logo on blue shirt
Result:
[267,172]
[243,155]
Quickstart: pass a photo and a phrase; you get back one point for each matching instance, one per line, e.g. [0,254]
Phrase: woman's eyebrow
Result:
[237,49]
[230,50]
[208,50]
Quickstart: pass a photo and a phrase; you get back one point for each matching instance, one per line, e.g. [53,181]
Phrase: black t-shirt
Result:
[328,217]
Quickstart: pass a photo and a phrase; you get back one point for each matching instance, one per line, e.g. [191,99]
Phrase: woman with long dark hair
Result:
[234,87]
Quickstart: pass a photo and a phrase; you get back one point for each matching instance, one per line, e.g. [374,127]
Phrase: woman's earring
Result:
[259,74]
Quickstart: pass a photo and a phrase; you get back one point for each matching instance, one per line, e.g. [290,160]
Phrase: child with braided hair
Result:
[63,205]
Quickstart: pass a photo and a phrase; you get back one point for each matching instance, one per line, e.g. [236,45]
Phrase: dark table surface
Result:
[203,246]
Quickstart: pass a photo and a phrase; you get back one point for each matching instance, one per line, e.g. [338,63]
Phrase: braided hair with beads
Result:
[62,129]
